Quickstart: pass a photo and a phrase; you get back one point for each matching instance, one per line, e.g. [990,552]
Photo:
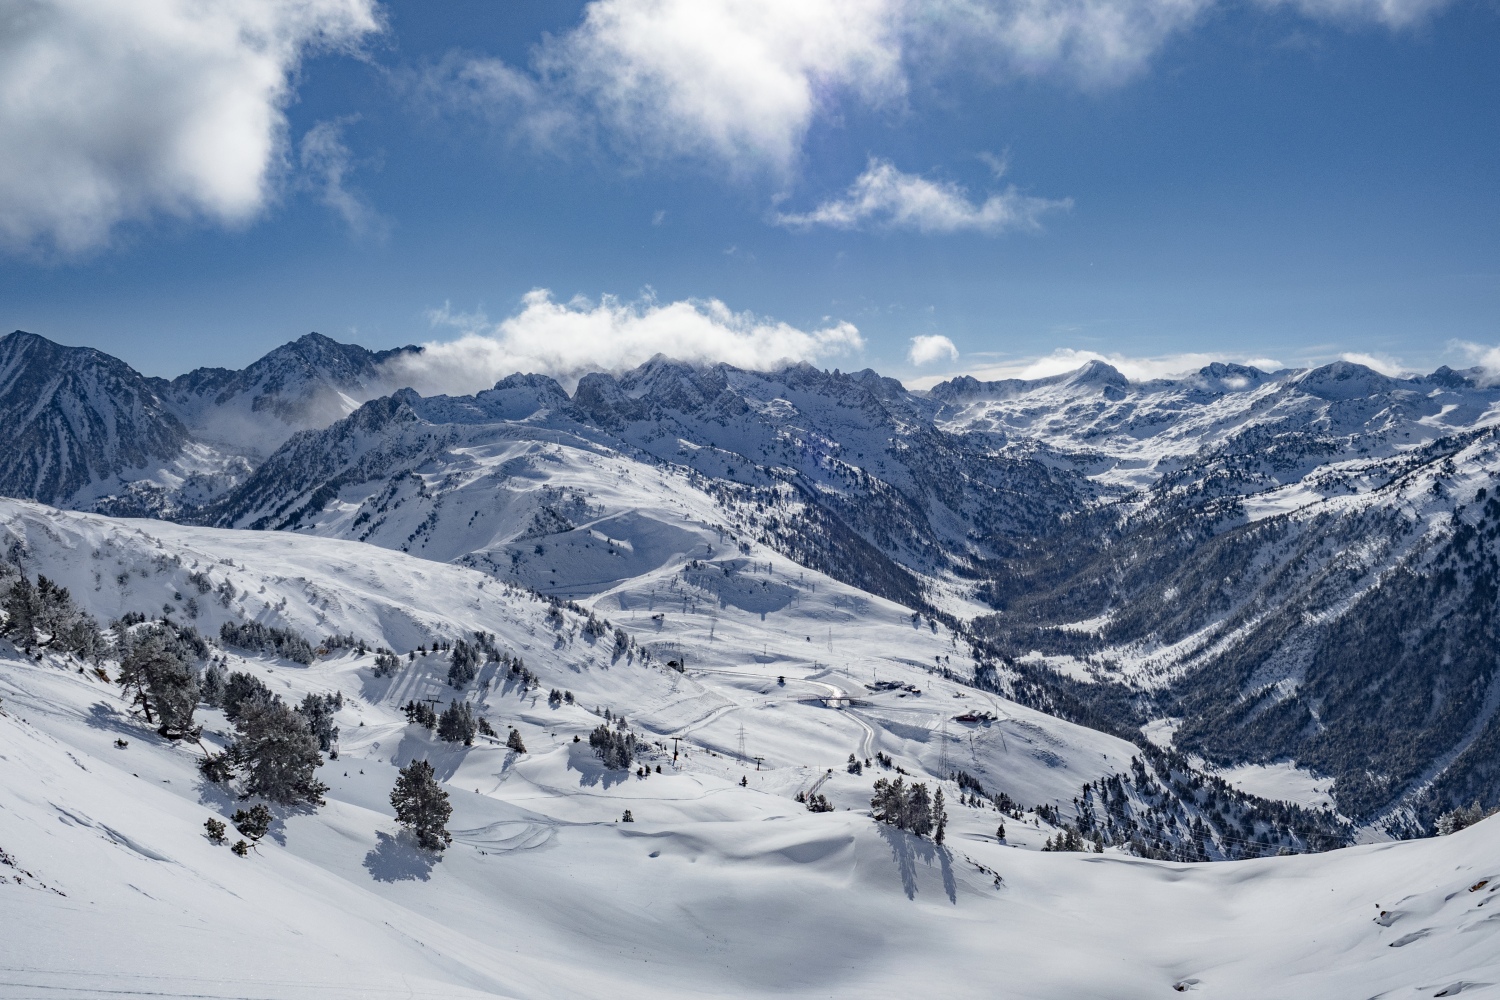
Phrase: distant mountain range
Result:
[1259,566]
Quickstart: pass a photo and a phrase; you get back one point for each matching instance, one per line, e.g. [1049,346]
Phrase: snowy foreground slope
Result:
[715,890]
[718,889]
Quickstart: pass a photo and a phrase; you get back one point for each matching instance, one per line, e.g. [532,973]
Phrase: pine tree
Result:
[239,689]
[21,612]
[212,688]
[939,818]
[466,663]
[457,724]
[514,741]
[889,801]
[615,748]
[318,711]
[254,822]
[918,811]
[422,805]
[421,713]
[175,691]
[215,829]
[278,752]
[159,679]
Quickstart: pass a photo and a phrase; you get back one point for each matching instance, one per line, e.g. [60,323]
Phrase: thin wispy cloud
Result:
[884,196]
[568,339]
[1486,357]
[1395,14]
[115,111]
[326,165]
[1093,43]
[1067,359]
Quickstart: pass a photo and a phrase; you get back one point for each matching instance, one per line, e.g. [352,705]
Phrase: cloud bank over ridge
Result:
[569,339]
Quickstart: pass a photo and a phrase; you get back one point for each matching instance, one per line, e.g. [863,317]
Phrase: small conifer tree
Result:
[422,805]
[254,822]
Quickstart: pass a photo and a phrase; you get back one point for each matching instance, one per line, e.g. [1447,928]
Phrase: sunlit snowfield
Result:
[716,888]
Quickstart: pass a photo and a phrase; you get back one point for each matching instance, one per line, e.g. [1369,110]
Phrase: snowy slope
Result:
[715,890]
[826,641]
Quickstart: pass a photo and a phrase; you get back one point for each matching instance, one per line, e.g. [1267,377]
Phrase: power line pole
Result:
[742,741]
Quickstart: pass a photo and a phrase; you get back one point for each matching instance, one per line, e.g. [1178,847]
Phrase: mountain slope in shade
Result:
[308,383]
[77,421]
[89,431]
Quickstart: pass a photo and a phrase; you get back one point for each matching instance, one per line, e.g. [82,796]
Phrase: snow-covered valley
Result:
[715,888]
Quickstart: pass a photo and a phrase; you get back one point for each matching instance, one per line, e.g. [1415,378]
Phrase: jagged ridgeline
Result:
[1293,566]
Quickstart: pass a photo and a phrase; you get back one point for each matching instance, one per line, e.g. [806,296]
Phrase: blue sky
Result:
[1155,181]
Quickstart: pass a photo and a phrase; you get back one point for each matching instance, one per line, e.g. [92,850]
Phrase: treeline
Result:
[258,638]
[43,615]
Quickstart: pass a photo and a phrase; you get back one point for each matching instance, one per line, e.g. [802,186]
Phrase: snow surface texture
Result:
[112,889]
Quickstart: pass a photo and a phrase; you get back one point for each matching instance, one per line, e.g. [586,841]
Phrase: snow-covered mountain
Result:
[308,383]
[1263,569]
[76,419]
[89,431]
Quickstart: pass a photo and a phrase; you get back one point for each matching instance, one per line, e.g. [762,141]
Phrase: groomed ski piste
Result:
[723,885]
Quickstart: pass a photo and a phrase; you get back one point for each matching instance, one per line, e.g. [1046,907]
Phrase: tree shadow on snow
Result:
[591,770]
[445,758]
[107,717]
[399,859]
[908,851]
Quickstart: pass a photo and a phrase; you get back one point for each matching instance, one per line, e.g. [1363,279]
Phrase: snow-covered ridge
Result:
[1202,547]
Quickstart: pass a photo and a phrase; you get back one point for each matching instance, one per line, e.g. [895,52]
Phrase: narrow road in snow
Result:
[836,695]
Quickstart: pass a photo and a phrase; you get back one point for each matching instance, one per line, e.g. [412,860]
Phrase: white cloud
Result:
[113,110]
[927,348]
[741,82]
[569,339]
[1093,42]
[1391,13]
[1388,366]
[326,165]
[735,79]
[1482,356]
[1067,359]
[885,196]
